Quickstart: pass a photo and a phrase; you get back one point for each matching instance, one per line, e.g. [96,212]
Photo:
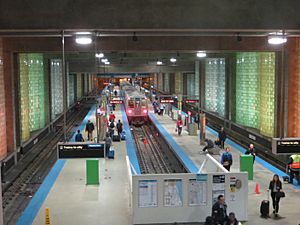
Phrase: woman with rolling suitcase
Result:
[275,187]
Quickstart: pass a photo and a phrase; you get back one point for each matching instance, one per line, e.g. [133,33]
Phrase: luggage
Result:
[265,207]
[123,135]
[111,153]
[116,137]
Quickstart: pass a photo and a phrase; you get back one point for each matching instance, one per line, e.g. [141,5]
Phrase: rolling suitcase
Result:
[265,207]
[111,153]
[123,135]
[116,137]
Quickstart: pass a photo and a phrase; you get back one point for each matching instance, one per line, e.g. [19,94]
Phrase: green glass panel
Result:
[267,93]
[56,87]
[79,85]
[24,97]
[71,88]
[215,85]
[247,90]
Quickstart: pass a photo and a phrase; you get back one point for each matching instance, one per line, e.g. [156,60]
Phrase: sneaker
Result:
[273,211]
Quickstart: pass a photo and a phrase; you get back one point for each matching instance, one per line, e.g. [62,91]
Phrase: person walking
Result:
[111,127]
[275,187]
[294,168]
[251,151]
[219,211]
[226,159]
[90,128]
[222,137]
[108,143]
[179,125]
[78,137]
[232,220]
[111,116]
[119,127]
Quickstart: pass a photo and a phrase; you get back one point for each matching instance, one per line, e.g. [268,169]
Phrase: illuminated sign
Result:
[116,101]
[80,150]
[191,100]
[166,100]
[285,145]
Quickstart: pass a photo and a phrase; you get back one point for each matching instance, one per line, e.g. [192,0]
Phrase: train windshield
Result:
[131,104]
[144,103]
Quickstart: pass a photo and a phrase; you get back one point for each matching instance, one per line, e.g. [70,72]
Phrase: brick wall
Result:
[3,141]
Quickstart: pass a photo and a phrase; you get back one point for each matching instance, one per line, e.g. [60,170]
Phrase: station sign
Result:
[80,150]
[191,100]
[166,100]
[285,145]
[116,101]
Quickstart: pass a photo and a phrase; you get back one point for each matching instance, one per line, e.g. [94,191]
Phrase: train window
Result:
[144,103]
[131,104]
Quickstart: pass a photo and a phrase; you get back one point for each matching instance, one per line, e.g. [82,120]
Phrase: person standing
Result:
[179,125]
[90,128]
[111,128]
[111,117]
[78,137]
[232,220]
[197,120]
[108,143]
[275,186]
[226,159]
[119,127]
[161,109]
[219,211]
[251,151]
[294,168]
[222,137]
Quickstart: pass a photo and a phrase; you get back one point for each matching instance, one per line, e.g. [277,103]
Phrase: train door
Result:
[138,106]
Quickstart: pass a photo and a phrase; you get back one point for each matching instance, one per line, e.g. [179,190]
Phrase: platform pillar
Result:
[246,165]
[92,171]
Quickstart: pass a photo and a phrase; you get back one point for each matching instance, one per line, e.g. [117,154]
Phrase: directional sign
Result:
[80,150]
[191,100]
[285,145]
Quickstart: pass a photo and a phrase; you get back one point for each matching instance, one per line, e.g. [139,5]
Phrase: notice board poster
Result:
[147,193]
[173,192]
[218,187]
[197,192]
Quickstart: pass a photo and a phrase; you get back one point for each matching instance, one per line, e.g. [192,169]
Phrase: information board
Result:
[197,192]
[285,145]
[218,187]
[147,193]
[173,192]
[80,150]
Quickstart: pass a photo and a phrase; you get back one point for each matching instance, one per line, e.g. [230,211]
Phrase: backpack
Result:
[112,125]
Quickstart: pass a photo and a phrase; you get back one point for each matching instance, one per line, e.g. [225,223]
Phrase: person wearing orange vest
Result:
[294,168]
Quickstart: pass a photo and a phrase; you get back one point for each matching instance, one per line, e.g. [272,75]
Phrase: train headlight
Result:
[145,111]
[129,111]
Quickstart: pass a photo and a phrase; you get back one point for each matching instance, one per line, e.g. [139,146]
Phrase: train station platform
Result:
[71,201]
[263,173]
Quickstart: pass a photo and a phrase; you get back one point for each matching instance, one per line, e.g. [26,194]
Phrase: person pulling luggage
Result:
[275,187]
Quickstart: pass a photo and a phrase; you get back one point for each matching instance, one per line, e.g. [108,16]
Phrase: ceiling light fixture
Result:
[173,60]
[277,38]
[159,62]
[106,63]
[99,55]
[201,54]
[104,60]
[83,38]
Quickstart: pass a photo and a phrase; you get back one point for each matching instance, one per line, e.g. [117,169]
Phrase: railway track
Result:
[150,155]
[18,193]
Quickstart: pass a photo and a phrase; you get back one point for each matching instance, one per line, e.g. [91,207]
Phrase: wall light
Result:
[159,62]
[173,60]
[99,55]
[201,54]
[277,39]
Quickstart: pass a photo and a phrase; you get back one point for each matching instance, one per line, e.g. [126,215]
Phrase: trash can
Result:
[246,165]
[92,171]
[192,129]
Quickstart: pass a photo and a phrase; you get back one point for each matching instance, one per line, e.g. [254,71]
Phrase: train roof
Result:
[131,91]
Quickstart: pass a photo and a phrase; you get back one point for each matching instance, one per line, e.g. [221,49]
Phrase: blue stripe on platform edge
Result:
[130,147]
[189,164]
[84,122]
[262,162]
[39,197]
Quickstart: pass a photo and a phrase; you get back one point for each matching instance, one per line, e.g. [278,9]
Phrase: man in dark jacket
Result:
[219,211]
[209,145]
[90,128]
[119,127]
[232,220]
[78,137]
[251,151]
[222,137]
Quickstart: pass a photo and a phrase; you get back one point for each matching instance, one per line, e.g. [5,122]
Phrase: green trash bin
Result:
[92,171]
[246,165]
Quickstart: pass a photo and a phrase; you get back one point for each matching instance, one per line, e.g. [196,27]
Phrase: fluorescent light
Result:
[83,33]
[173,60]
[83,40]
[104,60]
[99,55]
[106,63]
[277,39]
[201,54]
[159,63]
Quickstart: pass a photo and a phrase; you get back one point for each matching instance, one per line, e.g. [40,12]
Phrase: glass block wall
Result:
[56,87]
[178,83]
[86,83]
[190,91]
[215,85]
[255,96]
[3,145]
[71,89]
[294,90]
[166,82]
[79,85]
[160,81]
[32,93]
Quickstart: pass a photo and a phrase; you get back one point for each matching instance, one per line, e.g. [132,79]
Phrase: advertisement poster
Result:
[147,193]
[197,192]
[218,187]
[173,192]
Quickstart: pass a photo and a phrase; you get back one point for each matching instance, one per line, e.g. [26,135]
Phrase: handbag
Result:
[280,194]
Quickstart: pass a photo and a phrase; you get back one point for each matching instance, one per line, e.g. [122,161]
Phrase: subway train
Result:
[136,104]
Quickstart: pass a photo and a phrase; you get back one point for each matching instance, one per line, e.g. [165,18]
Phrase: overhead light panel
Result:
[99,55]
[173,60]
[201,54]
[277,39]
[106,63]
[104,60]
[83,38]
[159,62]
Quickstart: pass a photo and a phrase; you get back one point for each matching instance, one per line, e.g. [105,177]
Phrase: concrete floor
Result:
[288,212]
